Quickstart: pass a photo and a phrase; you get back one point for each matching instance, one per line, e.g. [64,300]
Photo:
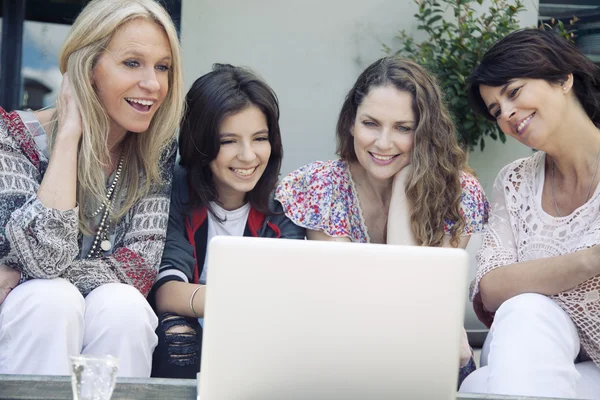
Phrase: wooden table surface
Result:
[31,387]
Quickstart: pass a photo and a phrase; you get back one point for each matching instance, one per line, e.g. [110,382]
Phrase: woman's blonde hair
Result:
[434,188]
[90,35]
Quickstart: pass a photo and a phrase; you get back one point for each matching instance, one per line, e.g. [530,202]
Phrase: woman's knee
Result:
[46,301]
[180,338]
[533,323]
[529,308]
[120,307]
[476,382]
[179,345]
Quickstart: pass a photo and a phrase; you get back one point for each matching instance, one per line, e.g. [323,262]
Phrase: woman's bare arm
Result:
[174,296]
[319,235]
[547,276]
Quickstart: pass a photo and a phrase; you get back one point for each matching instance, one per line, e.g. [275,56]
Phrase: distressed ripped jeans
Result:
[179,347]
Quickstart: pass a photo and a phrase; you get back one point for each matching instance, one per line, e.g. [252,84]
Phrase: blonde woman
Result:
[401,178]
[84,195]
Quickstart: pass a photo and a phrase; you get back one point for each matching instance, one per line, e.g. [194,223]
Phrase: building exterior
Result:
[33,94]
[13,15]
[587,28]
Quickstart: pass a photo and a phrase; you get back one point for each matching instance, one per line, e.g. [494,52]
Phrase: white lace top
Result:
[520,230]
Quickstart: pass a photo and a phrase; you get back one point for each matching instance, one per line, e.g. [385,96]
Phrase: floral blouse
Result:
[321,196]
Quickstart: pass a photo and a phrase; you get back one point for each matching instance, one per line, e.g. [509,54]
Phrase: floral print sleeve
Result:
[319,196]
[474,206]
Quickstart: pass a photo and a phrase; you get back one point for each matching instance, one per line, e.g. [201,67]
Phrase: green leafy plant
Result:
[458,34]
[556,25]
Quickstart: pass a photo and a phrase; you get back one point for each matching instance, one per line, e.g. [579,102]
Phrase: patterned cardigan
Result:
[45,243]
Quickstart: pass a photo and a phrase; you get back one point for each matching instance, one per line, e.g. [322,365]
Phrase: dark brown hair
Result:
[225,91]
[434,189]
[537,54]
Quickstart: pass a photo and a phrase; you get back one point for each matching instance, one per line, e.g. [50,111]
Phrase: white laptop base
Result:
[310,320]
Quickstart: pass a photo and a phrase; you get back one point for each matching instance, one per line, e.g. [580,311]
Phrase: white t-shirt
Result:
[234,223]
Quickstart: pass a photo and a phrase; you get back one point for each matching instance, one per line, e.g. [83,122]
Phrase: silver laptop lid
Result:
[294,319]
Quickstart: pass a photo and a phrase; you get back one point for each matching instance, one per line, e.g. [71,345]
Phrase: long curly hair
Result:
[434,187]
[89,37]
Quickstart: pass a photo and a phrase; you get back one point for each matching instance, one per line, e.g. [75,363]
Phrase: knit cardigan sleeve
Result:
[33,239]
[43,242]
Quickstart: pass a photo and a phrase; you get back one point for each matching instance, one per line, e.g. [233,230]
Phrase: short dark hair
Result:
[537,54]
[224,91]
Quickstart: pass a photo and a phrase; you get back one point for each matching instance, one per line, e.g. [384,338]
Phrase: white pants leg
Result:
[43,322]
[41,325]
[532,347]
[588,386]
[120,322]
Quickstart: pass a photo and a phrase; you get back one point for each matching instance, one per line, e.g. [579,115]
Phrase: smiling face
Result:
[131,77]
[384,131]
[243,155]
[530,110]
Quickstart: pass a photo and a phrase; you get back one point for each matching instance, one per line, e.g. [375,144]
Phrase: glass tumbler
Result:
[93,377]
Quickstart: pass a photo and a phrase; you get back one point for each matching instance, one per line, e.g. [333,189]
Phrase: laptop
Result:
[313,320]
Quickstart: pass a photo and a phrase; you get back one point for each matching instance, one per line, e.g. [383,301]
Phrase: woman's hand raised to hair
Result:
[69,117]
[58,189]
[9,279]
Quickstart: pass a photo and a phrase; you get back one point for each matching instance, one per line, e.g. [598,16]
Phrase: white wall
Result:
[309,51]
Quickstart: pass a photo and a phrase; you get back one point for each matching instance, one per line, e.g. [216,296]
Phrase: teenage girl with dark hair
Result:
[231,152]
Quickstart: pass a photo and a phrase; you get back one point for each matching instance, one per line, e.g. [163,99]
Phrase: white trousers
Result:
[44,321]
[531,351]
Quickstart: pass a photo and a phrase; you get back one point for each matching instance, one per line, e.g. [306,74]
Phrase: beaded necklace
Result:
[102,236]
